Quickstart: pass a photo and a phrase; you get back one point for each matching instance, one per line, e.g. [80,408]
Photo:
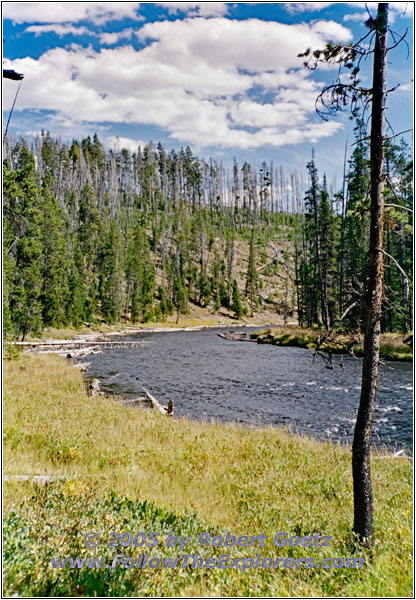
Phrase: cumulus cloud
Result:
[59,29]
[69,12]
[207,82]
[109,39]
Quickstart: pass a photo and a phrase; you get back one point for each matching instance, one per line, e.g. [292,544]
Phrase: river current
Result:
[211,378]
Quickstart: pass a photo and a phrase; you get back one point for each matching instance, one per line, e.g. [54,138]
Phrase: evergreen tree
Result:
[237,305]
[89,243]
[329,243]
[140,276]
[356,230]
[54,263]
[111,275]
[24,245]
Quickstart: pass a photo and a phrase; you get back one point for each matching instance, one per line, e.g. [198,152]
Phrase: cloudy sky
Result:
[223,78]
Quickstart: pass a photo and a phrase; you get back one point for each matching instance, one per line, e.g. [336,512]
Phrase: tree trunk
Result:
[342,241]
[363,495]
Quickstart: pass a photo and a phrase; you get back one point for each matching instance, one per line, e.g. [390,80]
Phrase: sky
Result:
[223,78]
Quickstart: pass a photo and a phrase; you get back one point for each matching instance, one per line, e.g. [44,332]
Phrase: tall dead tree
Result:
[332,99]
[363,494]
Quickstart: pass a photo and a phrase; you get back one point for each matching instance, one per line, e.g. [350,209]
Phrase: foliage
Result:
[331,247]
[113,236]
[117,236]
[236,305]
[11,351]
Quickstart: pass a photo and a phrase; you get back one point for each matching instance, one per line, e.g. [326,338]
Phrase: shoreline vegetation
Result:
[393,347]
[112,468]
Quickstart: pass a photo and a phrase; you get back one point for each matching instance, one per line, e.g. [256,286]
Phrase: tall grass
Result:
[392,346]
[108,460]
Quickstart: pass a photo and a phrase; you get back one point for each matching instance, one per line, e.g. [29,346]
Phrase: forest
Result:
[94,234]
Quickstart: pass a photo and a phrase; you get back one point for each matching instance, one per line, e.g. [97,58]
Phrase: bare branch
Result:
[400,132]
[399,206]
[400,40]
[396,263]
[390,137]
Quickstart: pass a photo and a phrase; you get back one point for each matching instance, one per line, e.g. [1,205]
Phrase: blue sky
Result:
[223,78]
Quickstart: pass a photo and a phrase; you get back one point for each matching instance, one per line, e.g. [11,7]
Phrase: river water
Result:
[211,378]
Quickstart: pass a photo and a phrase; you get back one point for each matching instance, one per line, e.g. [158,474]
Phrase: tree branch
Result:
[399,206]
[396,263]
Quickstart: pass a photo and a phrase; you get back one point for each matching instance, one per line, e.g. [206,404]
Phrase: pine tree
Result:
[140,275]
[89,243]
[54,262]
[237,305]
[22,208]
[110,286]
[356,231]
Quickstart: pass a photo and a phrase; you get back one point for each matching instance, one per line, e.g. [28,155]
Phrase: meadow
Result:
[113,468]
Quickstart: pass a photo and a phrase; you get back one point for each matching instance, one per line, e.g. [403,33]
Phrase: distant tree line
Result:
[92,233]
[331,251]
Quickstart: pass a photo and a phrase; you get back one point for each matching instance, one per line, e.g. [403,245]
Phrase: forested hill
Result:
[90,234]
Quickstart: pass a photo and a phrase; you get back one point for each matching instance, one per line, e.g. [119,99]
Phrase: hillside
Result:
[91,235]
[96,236]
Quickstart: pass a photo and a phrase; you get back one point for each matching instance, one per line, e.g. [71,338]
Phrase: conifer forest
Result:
[117,236]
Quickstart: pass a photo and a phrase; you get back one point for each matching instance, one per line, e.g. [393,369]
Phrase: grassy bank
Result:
[392,346]
[120,469]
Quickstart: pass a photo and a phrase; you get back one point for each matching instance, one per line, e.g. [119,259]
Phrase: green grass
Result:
[120,469]
[391,347]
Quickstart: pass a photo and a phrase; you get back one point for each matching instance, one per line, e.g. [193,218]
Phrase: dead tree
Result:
[363,494]
[332,99]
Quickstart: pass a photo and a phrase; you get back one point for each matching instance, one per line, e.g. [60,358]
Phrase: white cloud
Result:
[300,7]
[208,82]
[109,39]
[113,38]
[405,87]
[201,9]
[59,29]
[69,12]
[331,30]
[396,9]
[250,45]
[117,143]
[356,17]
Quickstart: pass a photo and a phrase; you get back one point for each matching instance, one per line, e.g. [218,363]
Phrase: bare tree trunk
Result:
[318,265]
[363,495]
[342,241]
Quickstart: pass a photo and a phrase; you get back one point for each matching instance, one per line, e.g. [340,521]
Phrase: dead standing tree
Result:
[332,99]
[363,493]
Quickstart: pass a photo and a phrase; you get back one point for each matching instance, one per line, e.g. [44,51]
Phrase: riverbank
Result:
[116,469]
[200,319]
[392,346]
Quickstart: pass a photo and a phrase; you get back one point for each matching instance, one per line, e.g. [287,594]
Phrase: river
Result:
[258,384]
